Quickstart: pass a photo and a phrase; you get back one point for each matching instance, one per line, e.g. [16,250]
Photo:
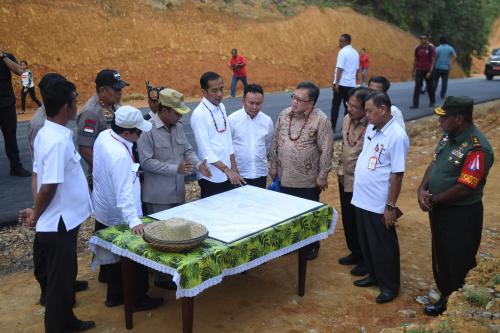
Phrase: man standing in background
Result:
[238,64]
[8,118]
[444,54]
[424,54]
[364,63]
[344,78]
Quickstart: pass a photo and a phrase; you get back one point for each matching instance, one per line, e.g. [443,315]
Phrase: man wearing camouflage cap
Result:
[451,191]
[166,155]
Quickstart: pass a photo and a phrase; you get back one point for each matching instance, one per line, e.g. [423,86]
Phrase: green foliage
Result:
[477,297]
[497,279]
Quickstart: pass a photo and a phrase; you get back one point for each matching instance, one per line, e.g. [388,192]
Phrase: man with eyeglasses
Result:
[344,77]
[97,113]
[116,200]
[302,148]
[425,55]
[213,138]
[353,134]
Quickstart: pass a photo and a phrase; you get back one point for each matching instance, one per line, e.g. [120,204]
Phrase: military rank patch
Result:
[473,169]
[89,126]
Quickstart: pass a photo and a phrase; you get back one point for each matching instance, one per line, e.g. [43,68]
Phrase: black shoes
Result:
[436,309]
[168,283]
[81,285]
[385,297]
[20,172]
[148,303]
[82,326]
[348,260]
[111,303]
[359,270]
[366,282]
[312,253]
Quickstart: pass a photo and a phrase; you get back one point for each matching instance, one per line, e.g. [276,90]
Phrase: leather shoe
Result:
[81,285]
[348,260]
[148,303]
[385,297]
[111,303]
[359,270]
[20,172]
[436,309]
[82,326]
[366,282]
[167,283]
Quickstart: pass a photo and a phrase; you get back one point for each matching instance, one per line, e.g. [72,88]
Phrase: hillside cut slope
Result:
[175,46]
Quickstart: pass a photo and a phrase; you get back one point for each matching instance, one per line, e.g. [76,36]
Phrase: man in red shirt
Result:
[364,63]
[238,64]
[425,55]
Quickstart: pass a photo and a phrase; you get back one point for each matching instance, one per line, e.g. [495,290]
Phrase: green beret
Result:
[455,105]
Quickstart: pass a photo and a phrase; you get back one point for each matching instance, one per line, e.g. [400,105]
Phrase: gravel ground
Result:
[16,243]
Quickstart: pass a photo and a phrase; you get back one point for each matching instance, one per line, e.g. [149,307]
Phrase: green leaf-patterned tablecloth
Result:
[205,266]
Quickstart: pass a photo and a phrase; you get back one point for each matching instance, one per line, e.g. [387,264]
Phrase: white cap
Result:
[129,117]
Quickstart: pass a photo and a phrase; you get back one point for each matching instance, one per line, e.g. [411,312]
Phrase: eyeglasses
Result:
[298,99]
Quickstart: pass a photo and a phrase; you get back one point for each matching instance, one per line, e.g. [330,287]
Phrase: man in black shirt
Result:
[8,119]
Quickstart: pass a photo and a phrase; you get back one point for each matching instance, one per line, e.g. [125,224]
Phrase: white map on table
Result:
[238,213]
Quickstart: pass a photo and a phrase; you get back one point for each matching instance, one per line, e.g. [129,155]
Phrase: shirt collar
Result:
[57,127]
[157,121]
[118,138]
[209,104]
[384,129]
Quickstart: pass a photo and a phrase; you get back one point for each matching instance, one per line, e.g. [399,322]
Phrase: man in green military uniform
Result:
[451,191]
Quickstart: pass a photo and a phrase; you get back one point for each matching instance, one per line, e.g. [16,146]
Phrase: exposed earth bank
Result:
[175,46]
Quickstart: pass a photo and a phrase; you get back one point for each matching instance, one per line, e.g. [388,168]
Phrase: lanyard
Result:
[124,145]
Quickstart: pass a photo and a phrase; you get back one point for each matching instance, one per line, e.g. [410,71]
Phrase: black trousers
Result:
[257,182]
[380,249]
[32,93]
[209,188]
[340,97]
[443,74]
[350,224]
[113,276]
[8,125]
[304,193]
[456,235]
[60,262]
[419,78]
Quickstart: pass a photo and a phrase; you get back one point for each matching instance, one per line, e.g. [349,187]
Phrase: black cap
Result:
[110,78]
[455,105]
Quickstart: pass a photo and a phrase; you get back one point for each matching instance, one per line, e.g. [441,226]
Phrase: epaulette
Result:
[476,144]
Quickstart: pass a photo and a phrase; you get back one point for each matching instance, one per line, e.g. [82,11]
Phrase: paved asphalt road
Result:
[15,192]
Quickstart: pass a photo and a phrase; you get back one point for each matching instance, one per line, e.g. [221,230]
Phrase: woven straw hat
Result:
[174,234]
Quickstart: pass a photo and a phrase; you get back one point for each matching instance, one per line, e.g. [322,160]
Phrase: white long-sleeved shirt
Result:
[251,141]
[56,161]
[116,197]
[213,137]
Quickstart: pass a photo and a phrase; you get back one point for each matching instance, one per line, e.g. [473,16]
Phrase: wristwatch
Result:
[390,206]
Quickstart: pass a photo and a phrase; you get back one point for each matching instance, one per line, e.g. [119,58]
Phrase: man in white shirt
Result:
[62,203]
[213,138]
[116,200]
[344,78]
[252,133]
[377,182]
[382,84]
